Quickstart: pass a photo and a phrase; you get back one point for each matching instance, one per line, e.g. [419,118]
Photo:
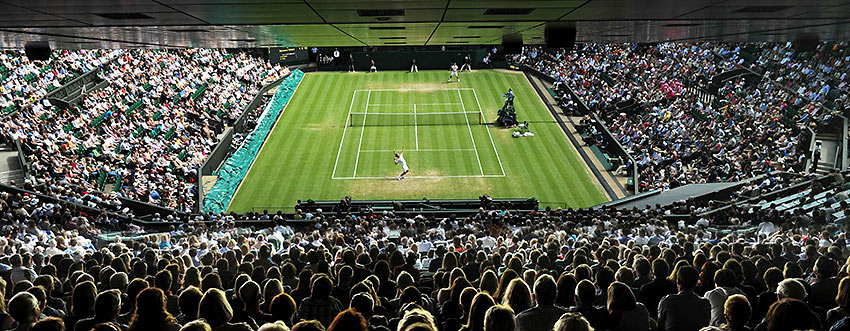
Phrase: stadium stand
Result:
[768,251]
[648,98]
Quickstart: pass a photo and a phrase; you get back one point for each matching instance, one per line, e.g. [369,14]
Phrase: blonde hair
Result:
[572,322]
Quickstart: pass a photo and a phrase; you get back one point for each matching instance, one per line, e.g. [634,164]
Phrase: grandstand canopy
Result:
[269,23]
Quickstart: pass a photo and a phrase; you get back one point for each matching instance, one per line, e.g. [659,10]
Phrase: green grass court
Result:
[337,134]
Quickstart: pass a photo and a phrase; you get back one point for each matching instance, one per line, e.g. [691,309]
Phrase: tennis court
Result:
[337,134]
[443,132]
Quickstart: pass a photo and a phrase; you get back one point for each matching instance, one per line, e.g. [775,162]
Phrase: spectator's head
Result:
[572,322]
[686,278]
[250,294]
[196,325]
[725,278]
[311,325]
[118,281]
[283,308]
[321,287]
[349,320]
[660,269]
[188,300]
[417,319]
[791,289]
[363,303]
[772,277]
[276,326]
[566,291]
[82,299]
[23,308]
[825,268]
[789,315]
[214,308]
[477,310]
[737,311]
[620,298]
[545,290]
[150,310]
[518,296]
[489,282]
[500,318]
[40,295]
[107,305]
[49,324]
[585,293]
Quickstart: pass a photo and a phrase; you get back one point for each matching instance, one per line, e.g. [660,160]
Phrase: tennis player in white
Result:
[399,158]
[454,73]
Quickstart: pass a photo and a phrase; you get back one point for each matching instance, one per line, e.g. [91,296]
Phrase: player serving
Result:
[399,159]
[454,73]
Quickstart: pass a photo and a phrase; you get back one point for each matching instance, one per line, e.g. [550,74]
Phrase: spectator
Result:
[544,315]
[188,300]
[283,308]
[107,306]
[737,311]
[320,305]
[349,320]
[500,318]
[480,304]
[684,310]
[150,312]
[572,322]
[625,313]
[215,309]
[726,282]
[585,296]
[48,324]
[23,307]
[789,315]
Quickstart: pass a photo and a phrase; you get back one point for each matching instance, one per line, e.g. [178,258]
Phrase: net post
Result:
[480,117]
[350,119]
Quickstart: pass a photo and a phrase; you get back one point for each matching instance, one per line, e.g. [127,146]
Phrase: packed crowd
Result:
[24,82]
[820,75]
[146,132]
[649,98]
[560,270]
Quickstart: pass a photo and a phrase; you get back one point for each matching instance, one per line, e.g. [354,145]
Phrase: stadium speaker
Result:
[512,46]
[37,50]
[806,42]
[560,35]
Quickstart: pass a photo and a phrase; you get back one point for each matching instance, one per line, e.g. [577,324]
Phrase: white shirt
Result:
[403,162]
[454,67]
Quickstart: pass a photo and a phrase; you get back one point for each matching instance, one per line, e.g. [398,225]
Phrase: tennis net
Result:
[414,119]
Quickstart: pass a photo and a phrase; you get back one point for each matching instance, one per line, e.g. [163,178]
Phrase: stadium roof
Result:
[264,23]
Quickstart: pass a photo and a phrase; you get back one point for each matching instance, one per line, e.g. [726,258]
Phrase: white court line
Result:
[362,129]
[420,114]
[347,118]
[488,132]
[471,137]
[425,177]
[407,104]
[417,90]
[415,126]
[419,150]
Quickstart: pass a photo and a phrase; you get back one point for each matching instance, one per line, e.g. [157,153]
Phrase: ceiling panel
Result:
[265,13]
[260,23]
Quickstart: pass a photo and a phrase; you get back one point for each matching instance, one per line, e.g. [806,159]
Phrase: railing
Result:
[71,92]
[22,158]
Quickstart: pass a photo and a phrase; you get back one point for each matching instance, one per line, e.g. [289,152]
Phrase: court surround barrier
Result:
[236,167]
